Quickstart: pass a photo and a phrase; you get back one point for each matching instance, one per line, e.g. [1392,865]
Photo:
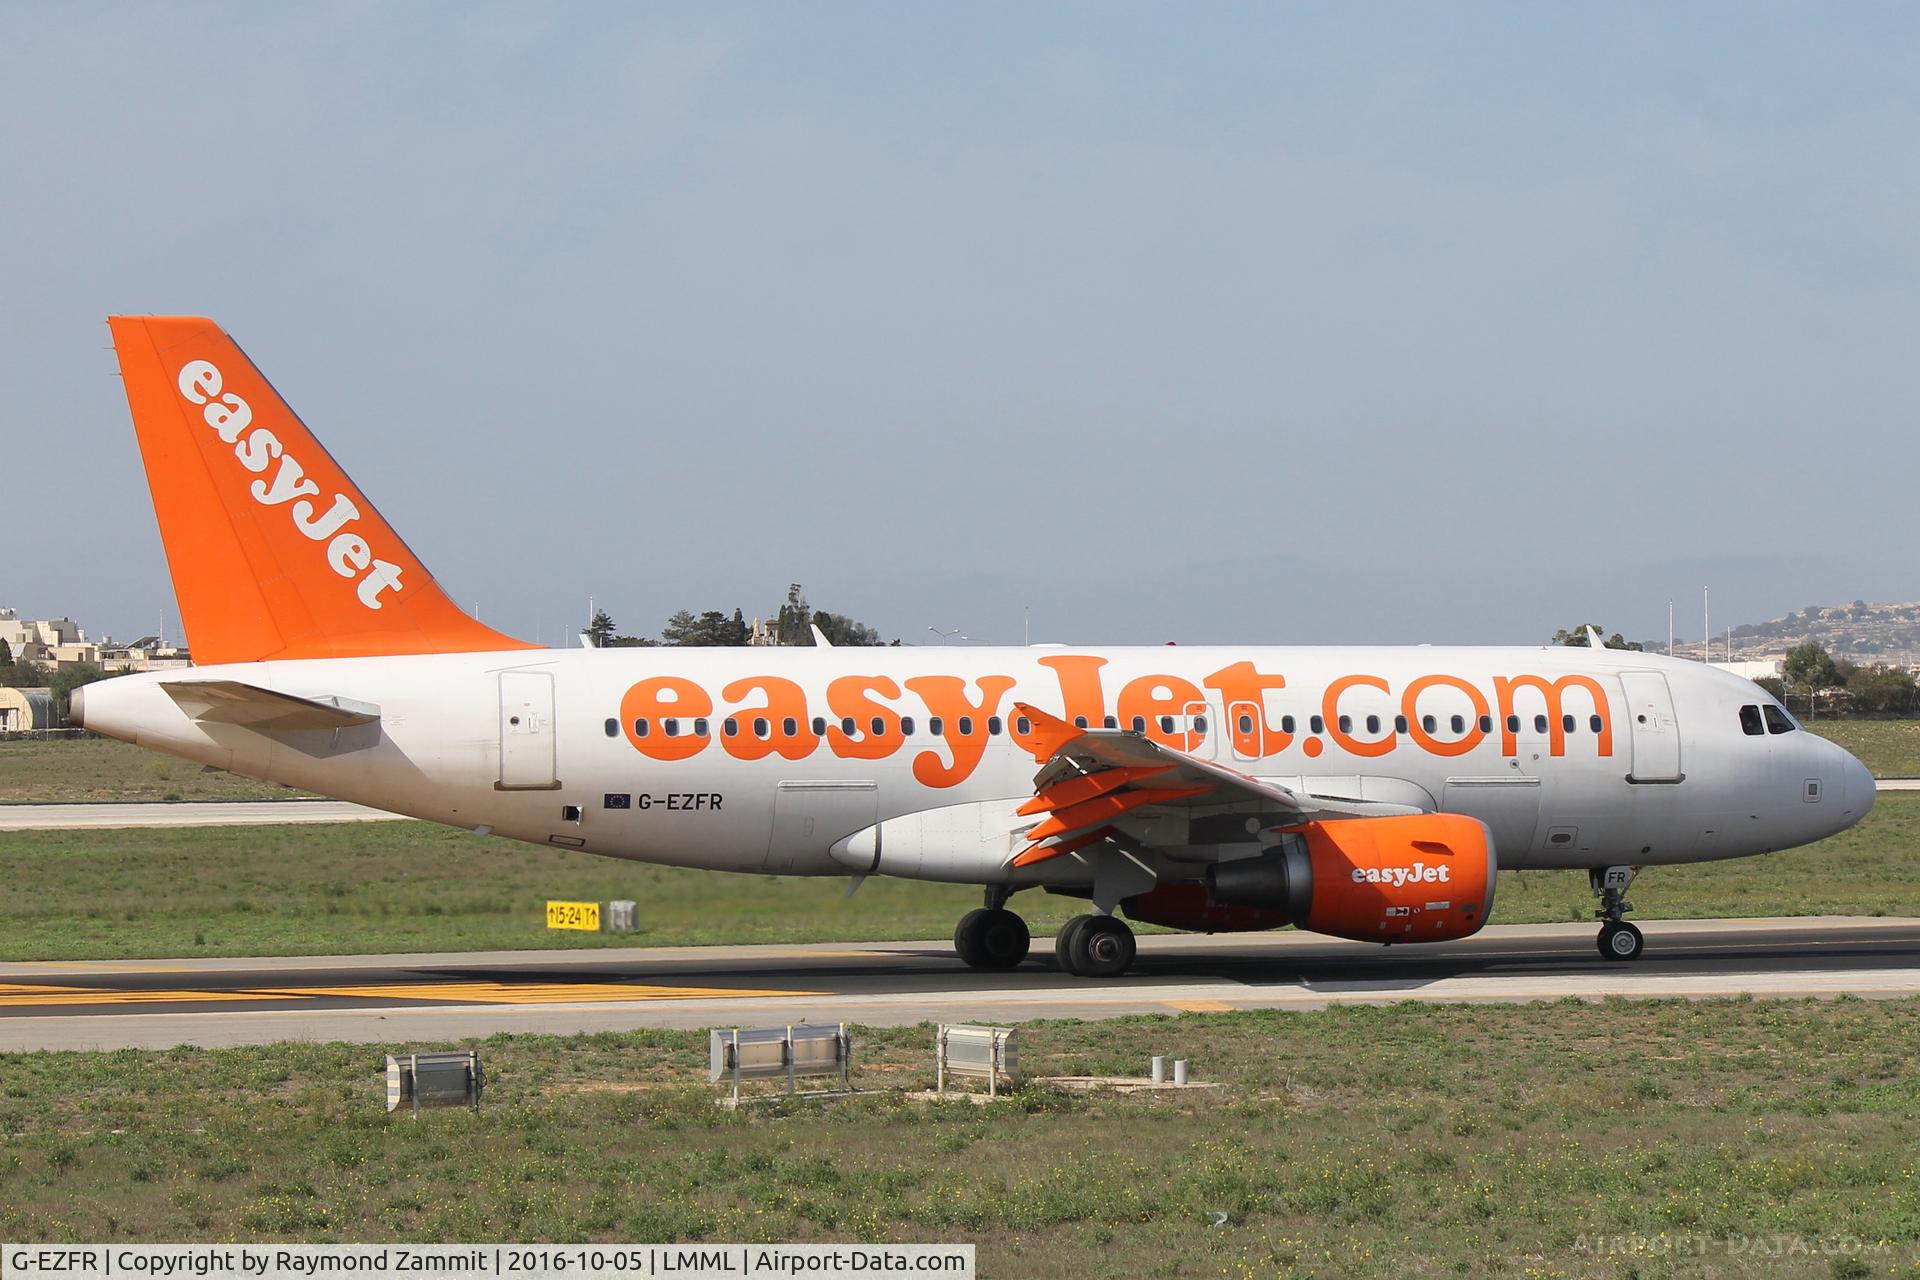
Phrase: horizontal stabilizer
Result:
[231,702]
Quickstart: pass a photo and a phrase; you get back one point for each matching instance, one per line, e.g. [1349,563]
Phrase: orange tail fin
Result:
[274,552]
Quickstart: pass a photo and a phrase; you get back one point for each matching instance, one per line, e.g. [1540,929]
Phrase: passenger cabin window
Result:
[1458,724]
[1428,724]
[1539,724]
[730,727]
[1750,722]
[613,728]
[1373,724]
[640,728]
[700,727]
[761,729]
[1166,724]
[790,727]
[1566,724]
[1245,722]
[1199,724]
[936,726]
[1595,723]
[819,726]
[1112,722]
[994,724]
[849,727]
[1316,724]
[906,726]
[1346,724]
[1139,724]
[671,726]
[1779,721]
[879,727]
[966,725]
[1286,724]
[1486,724]
[1025,726]
[1079,722]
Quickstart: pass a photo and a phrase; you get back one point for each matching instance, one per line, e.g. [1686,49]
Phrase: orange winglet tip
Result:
[1050,733]
[1041,852]
[1086,786]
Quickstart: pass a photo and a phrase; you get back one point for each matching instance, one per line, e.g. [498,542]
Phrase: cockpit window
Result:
[1779,721]
[1750,721]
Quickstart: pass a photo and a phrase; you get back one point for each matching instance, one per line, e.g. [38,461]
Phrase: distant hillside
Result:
[1859,632]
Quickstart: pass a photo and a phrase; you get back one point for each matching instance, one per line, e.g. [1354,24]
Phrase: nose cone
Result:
[1861,790]
[1853,787]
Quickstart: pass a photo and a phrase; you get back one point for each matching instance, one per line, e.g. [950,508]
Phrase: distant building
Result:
[23,709]
[56,642]
[144,654]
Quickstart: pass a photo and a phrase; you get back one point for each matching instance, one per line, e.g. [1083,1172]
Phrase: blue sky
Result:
[1280,324]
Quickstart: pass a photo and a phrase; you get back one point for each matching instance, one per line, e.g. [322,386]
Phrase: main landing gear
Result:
[992,937]
[1094,946]
[1090,946]
[1618,940]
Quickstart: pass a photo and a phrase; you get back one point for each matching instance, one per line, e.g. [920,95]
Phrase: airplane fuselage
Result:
[765,760]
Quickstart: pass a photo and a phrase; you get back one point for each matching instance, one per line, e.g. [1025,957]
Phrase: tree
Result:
[1576,638]
[1810,668]
[600,630]
[843,632]
[709,629]
[790,625]
[6,654]
[25,675]
[1886,691]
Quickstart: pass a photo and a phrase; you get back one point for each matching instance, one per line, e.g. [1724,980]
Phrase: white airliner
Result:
[1366,793]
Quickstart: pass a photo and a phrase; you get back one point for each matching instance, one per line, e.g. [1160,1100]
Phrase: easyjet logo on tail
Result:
[258,449]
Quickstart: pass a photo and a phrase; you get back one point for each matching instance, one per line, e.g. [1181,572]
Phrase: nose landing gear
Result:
[1618,940]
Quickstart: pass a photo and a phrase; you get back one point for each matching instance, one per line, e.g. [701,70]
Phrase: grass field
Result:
[77,770]
[100,769]
[1565,1140]
[1889,748]
[415,887]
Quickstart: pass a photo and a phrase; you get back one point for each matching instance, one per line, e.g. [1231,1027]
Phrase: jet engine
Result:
[1421,878]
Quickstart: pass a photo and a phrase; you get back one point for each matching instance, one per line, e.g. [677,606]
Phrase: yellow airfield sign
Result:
[574,915]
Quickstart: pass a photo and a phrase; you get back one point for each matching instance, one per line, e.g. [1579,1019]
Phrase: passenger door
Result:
[526,732]
[1652,728]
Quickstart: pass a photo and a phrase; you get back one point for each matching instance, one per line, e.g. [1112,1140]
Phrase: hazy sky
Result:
[1270,324]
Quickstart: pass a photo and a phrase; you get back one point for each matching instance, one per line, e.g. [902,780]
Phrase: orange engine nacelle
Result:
[1423,878]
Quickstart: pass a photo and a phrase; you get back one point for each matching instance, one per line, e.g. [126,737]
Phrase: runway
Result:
[191,813]
[440,999]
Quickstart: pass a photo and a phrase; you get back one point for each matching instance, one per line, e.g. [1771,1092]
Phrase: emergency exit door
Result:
[526,731]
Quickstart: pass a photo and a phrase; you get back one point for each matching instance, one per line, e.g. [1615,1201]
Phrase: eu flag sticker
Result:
[618,800]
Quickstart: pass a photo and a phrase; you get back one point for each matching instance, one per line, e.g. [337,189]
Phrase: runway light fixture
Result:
[772,1053]
[434,1080]
[988,1053]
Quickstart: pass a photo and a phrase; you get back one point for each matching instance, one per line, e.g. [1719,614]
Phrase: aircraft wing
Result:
[1090,777]
[233,702]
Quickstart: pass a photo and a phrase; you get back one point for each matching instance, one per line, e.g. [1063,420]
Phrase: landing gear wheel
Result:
[992,938]
[1621,941]
[966,937]
[1066,944]
[1095,947]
